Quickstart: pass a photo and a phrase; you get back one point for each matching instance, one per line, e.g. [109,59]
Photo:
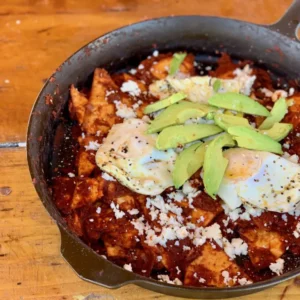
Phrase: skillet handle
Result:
[90,266]
[288,24]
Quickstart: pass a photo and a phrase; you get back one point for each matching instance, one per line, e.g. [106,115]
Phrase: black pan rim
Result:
[136,277]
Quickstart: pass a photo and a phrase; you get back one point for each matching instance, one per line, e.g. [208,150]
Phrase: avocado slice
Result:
[176,61]
[178,135]
[251,139]
[215,164]
[178,113]
[277,114]
[188,162]
[164,103]
[238,102]
[278,132]
[226,121]
[233,113]
[217,85]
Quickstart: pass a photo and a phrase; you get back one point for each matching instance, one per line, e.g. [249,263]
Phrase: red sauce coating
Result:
[87,201]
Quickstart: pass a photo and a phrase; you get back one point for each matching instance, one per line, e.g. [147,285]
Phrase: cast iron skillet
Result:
[274,47]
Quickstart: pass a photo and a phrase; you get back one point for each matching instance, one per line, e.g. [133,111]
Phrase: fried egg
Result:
[260,179]
[200,88]
[128,153]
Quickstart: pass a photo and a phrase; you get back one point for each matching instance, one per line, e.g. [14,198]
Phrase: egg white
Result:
[129,154]
[260,179]
[200,88]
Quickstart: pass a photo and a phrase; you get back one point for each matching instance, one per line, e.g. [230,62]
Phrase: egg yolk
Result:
[242,164]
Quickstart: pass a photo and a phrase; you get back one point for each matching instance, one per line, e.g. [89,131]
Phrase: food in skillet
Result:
[186,178]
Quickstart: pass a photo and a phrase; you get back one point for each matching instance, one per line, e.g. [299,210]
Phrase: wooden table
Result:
[35,37]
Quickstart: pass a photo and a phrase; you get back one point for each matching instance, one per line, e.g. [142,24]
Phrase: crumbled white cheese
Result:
[108,93]
[98,132]
[244,281]
[245,78]
[141,67]
[291,91]
[155,53]
[284,217]
[212,232]
[124,111]
[296,232]
[286,146]
[177,196]
[188,188]
[98,210]
[166,278]
[131,87]
[118,213]
[277,267]
[238,213]
[267,92]
[186,248]
[172,227]
[71,175]
[92,146]
[201,219]
[91,220]
[226,277]
[132,71]
[107,177]
[235,214]
[159,258]
[128,267]
[236,247]
[133,211]
[178,270]
[202,280]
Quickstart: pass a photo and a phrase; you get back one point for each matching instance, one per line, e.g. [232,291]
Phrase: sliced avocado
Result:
[233,113]
[251,139]
[215,164]
[226,121]
[176,61]
[178,135]
[217,85]
[238,102]
[178,113]
[187,163]
[277,114]
[210,115]
[278,132]
[164,103]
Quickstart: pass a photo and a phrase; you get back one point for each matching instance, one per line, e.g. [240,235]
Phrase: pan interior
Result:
[122,50]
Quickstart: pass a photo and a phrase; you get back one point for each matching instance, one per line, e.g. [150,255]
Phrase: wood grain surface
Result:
[35,37]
